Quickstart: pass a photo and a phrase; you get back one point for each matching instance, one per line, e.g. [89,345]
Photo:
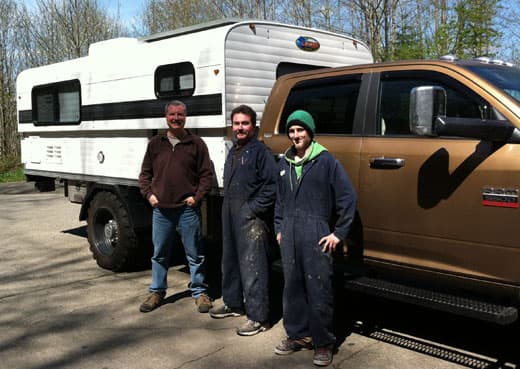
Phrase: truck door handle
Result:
[386,163]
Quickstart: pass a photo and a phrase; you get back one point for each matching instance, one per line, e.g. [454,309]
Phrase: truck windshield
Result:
[504,77]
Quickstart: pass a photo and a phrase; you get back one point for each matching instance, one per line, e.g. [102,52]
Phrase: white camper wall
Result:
[253,55]
[238,61]
[122,70]
[113,158]
[119,70]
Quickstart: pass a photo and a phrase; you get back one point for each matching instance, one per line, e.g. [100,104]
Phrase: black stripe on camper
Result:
[196,106]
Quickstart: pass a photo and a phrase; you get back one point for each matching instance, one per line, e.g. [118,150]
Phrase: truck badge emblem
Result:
[500,197]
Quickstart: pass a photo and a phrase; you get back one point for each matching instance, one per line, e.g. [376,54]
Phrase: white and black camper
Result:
[87,121]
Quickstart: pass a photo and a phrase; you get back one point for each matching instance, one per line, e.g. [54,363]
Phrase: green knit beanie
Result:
[302,118]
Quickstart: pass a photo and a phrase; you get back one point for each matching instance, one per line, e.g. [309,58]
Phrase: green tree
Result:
[476,33]
[9,60]
[409,44]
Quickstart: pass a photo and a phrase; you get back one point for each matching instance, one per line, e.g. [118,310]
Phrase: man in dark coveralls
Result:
[315,206]
[249,195]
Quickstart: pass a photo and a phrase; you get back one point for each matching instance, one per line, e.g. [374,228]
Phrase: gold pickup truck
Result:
[433,150]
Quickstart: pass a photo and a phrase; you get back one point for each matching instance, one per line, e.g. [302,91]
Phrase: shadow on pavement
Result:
[79,231]
[177,296]
[17,188]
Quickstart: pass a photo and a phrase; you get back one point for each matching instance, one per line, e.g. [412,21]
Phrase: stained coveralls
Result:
[309,206]
[249,195]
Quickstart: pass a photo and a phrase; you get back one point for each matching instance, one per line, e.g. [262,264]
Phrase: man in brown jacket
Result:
[175,177]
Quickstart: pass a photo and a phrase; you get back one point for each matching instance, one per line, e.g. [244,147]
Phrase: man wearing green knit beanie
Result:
[304,119]
[315,206]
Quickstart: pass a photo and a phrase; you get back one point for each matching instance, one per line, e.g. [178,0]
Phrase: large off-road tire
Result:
[112,239]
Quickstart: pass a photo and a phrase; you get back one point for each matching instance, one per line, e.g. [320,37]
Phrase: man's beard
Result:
[240,141]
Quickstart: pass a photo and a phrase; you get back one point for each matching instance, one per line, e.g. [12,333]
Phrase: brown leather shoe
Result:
[203,303]
[152,302]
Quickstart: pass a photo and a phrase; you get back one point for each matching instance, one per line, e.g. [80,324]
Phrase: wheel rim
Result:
[106,232]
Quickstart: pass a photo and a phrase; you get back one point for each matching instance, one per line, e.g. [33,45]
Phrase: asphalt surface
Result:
[60,310]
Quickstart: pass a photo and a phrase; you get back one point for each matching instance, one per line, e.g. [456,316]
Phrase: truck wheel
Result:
[111,237]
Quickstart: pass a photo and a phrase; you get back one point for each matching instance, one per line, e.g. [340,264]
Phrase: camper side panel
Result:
[256,56]
[118,110]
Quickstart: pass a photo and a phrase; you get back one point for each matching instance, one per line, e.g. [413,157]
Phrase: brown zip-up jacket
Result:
[173,174]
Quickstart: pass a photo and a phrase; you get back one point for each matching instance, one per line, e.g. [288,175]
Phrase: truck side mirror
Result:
[428,118]
[427,103]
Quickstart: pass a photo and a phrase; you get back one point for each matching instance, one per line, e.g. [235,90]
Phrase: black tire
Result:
[112,239]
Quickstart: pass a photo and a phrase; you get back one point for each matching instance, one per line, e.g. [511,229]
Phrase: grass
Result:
[11,170]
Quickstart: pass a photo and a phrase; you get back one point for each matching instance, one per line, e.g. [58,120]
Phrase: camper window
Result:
[175,80]
[57,103]
[286,68]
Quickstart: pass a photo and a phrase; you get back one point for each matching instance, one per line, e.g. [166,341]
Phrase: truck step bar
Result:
[435,300]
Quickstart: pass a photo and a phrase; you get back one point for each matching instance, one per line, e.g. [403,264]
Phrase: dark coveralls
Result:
[321,202]
[247,210]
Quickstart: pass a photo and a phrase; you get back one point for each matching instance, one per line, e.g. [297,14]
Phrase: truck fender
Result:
[138,208]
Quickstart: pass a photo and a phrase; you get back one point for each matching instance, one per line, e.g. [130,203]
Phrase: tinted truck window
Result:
[394,107]
[331,101]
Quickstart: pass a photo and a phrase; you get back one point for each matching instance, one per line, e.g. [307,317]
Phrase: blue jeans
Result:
[187,222]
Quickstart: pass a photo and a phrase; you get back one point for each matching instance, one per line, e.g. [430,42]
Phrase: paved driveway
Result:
[59,310]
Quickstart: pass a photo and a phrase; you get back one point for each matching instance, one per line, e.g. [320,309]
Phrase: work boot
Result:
[224,311]
[289,345]
[322,356]
[250,328]
[152,302]
[203,303]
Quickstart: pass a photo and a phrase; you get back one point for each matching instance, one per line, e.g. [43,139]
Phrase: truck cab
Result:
[432,148]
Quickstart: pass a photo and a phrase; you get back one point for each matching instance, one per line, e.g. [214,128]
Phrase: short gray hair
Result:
[175,103]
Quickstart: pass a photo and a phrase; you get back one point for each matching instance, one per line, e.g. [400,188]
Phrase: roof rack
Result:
[487,60]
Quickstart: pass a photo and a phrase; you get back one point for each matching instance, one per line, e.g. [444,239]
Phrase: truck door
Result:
[420,198]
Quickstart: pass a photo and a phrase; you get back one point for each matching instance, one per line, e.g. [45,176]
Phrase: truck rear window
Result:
[331,101]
